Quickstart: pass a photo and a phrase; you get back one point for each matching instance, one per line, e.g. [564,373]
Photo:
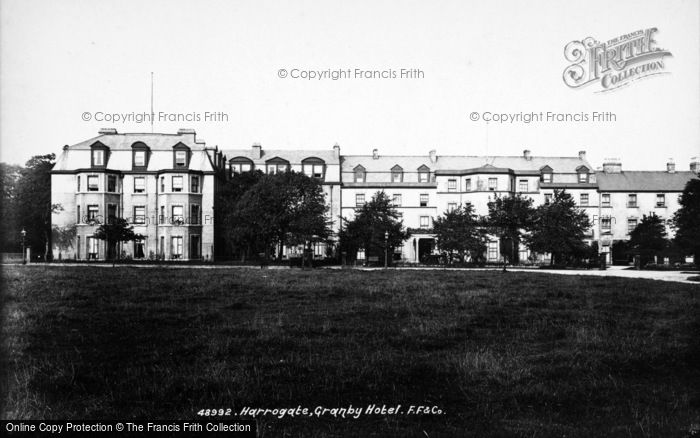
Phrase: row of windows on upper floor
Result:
[140,154]
[312,167]
[177,183]
[397,176]
[140,216]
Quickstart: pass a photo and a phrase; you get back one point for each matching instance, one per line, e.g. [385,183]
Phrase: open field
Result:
[515,354]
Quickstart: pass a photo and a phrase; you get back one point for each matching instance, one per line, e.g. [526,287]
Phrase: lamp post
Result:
[24,252]
[386,249]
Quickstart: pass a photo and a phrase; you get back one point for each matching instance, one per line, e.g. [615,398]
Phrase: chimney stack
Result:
[433,156]
[107,131]
[336,150]
[612,165]
[582,155]
[695,165]
[526,154]
[257,151]
[670,166]
[375,154]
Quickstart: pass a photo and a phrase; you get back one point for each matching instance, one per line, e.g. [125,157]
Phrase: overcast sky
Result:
[60,59]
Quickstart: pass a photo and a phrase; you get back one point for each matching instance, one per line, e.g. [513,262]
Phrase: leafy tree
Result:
[508,218]
[33,204]
[63,238]
[559,228]
[277,209]
[114,231]
[10,240]
[648,237]
[240,239]
[367,229]
[687,220]
[460,232]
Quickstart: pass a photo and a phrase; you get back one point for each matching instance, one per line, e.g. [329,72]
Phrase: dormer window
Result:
[277,165]
[181,156]
[314,167]
[240,165]
[582,174]
[424,174]
[360,174]
[98,155]
[397,174]
[546,174]
[139,155]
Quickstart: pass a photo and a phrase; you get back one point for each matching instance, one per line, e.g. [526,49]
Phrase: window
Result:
[194,214]
[92,183]
[452,206]
[80,219]
[111,212]
[162,183]
[632,200]
[111,183]
[195,245]
[98,157]
[92,213]
[139,248]
[314,170]
[162,214]
[451,185]
[493,251]
[522,185]
[359,174]
[425,221]
[181,158]
[139,158]
[547,177]
[605,200]
[177,183]
[194,183]
[396,199]
[396,174]
[424,200]
[139,184]
[606,224]
[78,182]
[423,176]
[241,167]
[661,200]
[468,185]
[178,214]
[582,177]
[359,199]
[276,168]
[493,183]
[139,214]
[631,225]
[176,247]
[584,199]
[92,247]
[547,198]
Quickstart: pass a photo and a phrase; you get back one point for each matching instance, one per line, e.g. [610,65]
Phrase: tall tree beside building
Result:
[559,228]
[240,240]
[687,220]
[460,233]
[10,240]
[649,237]
[508,218]
[33,202]
[115,231]
[368,230]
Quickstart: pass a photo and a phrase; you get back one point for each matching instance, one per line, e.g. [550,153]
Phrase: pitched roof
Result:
[293,156]
[384,163]
[153,141]
[643,181]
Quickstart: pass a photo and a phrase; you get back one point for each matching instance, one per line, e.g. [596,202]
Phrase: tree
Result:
[114,231]
[287,207]
[648,237]
[687,220]
[33,205]
[368,230]
[63,238]
[239,238]
[460,232]
[10,240]
[559,228]
[508,218]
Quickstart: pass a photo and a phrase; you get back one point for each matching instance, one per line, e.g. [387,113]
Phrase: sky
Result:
[62,62]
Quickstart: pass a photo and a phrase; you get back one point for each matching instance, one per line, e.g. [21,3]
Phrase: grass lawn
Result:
[515,354]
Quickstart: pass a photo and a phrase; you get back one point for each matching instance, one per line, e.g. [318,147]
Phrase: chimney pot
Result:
[375,153]
[433,156]
[695,165]
[612,165]
[582,155]
[670,166]
[336,150]
[526,154]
